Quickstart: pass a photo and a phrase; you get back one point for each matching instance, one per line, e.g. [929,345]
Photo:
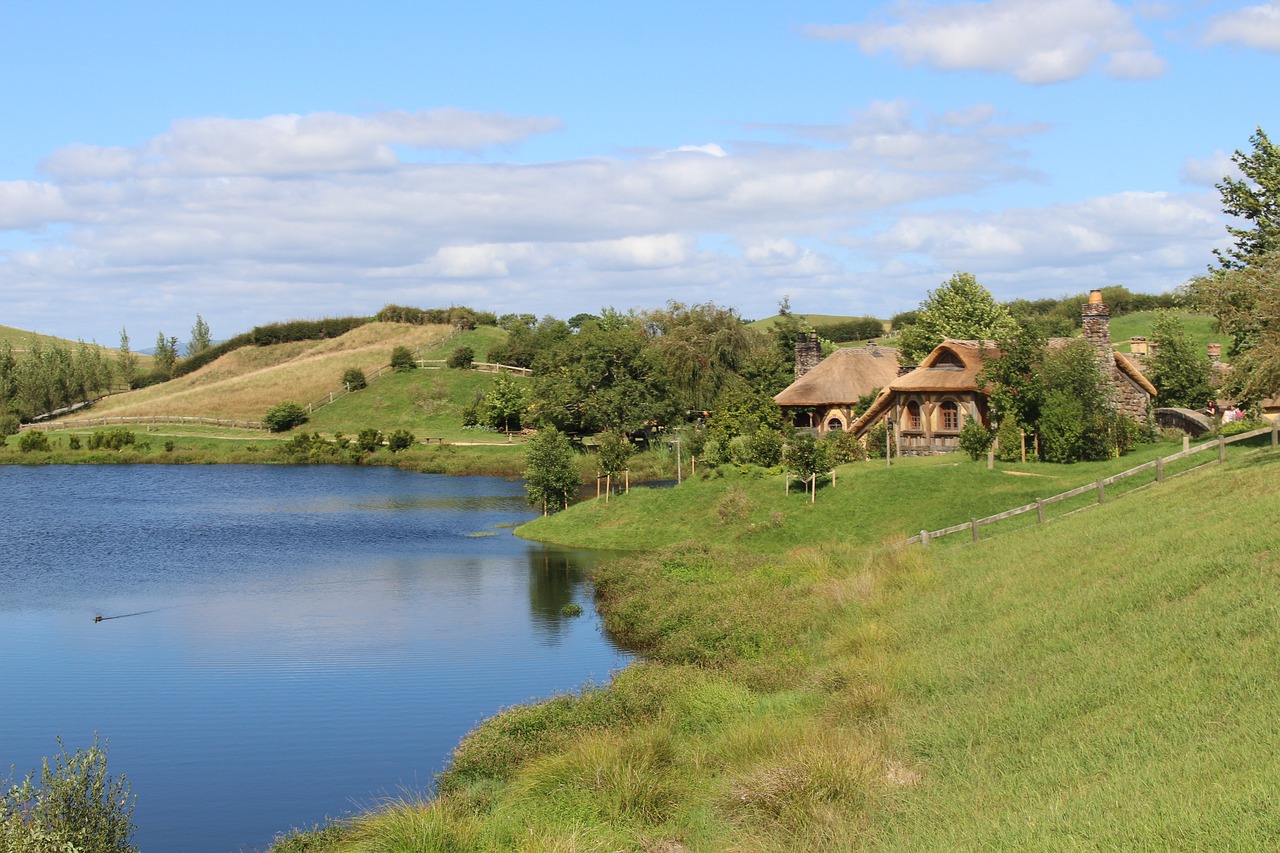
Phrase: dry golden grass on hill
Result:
[245,383]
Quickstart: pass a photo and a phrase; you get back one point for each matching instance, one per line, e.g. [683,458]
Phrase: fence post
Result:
[1159,469]
[991,457]
[1186,442]
[975,529]
[1222,448]
[1275,432]
[1101,492]
[1039,511]
[924,538]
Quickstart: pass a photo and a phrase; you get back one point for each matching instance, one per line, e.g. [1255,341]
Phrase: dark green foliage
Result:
[168,445]
[1255,198]
[400,439]
[354,379]
[856,329]
[1009,445]
[845,447]
[455,315]
[73,442]
[975,439]
[1076,418]
[200,340]
[1014,380]
[368,439]
[402,359]
[116,438]
[904,319]
[33,441]
[877,443]
[9,425]
[126,361]
[550,474]
[806,456]
[461,358]
[165,356]
[764,448]
[1246,303]
[283,417]
[151,377]
[1179,369]
[742,411]
[571,609]
[310,447]
[48,376]
[961,308]
[77,805]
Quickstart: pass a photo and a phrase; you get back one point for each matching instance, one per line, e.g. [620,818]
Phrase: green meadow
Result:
[1103,681]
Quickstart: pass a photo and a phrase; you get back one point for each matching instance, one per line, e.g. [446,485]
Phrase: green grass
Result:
[1103,682]
[1201,329]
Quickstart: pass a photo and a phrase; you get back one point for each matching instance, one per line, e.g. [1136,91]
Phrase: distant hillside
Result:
[1202,329]
[248,381]
[20,338]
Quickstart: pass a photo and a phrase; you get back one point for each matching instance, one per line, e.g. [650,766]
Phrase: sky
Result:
[258,162]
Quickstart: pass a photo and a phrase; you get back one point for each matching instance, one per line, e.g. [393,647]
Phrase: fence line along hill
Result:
[246,382]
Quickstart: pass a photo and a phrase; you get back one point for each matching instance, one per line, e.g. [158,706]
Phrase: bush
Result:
[1009,448]
[845,447]
[73,442]
[354,379]
[764,448]
[402,359]
[399,440]
[33,441]
[283,417]
[77,806]
[368,439]
[461,358]
[9,425]
[116,438]
[876,442]
[975,439]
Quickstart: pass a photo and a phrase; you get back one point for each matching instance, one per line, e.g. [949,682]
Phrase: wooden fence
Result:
[150,420]
[974,525]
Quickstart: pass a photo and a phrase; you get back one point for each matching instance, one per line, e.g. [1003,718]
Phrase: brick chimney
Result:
[1215,353]
[1096,319]
[808,353]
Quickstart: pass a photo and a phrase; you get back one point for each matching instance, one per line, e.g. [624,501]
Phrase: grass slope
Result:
[1201,328]
[1105,682]
[246,382]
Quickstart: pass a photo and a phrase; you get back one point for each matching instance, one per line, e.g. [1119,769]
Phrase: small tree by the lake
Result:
[550,474]
[613,453]
[283,417]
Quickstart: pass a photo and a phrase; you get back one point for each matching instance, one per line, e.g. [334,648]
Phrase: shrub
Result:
[9,425]
[116,438]
[764,447]
[283,417]
[354,379]
[368,439]
[168,445]
[876,442]
[461,358]
[33,441]
[845,447]
[74,442]
[399,440]
[402,359]
[77,806]
[1009,448]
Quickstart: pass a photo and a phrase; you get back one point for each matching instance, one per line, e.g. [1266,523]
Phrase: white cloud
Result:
[1209,171]
[29,205]
[1253,26]
[1036,42]
[294,144]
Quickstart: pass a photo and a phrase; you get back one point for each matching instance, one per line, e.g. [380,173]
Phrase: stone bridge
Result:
[1189,421]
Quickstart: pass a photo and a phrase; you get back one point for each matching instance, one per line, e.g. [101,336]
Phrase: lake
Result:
[279,644]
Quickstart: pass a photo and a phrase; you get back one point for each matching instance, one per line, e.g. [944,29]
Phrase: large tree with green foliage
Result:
[504,402]
[1246,303]
[550,475]
[1179,369]
[1076,418]
[1255,198]
[961,308]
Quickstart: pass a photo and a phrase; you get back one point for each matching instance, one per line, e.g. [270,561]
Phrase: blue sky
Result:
[256,162]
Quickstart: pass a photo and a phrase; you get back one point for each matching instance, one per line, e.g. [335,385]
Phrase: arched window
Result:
[913,415]
[950,414]
[835,424]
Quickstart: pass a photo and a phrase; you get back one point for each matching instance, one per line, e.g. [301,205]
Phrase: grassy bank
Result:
[1104,681]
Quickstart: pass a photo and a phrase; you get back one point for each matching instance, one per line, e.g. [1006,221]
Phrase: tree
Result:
[1246,303]
[77,806]
[200,338]
[354,379]
[1076,420]
[1255,198]
[805,456]
[400,439]
[1014,381]
[550,475]
[165,356]
[402,359]
[126,361]
[283,417]
[504,402]
[461,358]
[614,451]
[1179,370]
[961,308]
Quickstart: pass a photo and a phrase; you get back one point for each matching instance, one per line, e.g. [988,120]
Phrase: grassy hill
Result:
[20,338]
[1201,328]
[1105,681]
[246,382]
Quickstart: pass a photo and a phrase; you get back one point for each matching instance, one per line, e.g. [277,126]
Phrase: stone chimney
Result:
[1096,320]
[1215,353]
[808,353]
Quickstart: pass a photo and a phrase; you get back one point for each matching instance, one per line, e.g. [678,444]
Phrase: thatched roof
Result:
[842,377]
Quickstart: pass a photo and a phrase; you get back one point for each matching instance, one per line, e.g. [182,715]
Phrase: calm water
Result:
[279,645]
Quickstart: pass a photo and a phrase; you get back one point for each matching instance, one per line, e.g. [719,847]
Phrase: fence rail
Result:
[151,420]
[974,525]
